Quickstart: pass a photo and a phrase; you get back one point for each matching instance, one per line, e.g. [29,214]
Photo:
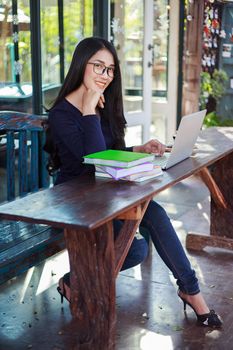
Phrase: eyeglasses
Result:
[100,68]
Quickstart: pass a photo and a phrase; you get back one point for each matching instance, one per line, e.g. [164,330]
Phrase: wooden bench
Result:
[24,245]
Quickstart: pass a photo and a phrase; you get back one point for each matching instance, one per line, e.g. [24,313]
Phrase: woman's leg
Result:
[172,253]
[138,250]
[169,247]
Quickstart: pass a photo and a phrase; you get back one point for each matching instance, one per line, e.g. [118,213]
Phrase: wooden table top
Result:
[88,203]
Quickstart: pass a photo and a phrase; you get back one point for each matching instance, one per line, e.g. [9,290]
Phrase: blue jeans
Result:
[158,225]
[138,250]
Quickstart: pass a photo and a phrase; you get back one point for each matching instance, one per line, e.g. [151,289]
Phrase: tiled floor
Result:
[149,314]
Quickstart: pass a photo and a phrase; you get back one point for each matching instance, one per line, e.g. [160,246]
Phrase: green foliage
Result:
[205,89]
[212,119]
[219,80]
[213,86]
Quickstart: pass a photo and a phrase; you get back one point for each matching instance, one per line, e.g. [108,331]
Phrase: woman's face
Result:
[101,61]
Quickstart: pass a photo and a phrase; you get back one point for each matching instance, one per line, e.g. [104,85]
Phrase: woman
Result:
[87,117]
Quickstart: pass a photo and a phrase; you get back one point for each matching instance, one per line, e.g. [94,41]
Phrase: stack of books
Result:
[124,165]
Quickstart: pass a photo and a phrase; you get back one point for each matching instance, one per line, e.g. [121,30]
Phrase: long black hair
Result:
[113,109]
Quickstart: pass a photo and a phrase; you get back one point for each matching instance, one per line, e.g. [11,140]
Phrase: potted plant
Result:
[212,89]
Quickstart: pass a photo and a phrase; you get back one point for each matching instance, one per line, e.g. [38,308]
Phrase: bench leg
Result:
[198,242]
[92,265]
[219,181]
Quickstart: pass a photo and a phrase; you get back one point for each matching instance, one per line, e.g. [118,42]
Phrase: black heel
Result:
[184,302]
[61,290]
[211,319]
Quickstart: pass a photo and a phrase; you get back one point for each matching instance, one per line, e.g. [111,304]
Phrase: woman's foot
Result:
[197,301]
[64,288]
[205,316]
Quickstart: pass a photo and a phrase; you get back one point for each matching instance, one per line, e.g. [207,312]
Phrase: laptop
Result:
[186,137]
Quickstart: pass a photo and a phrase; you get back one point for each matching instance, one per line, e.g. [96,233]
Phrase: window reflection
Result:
[78,23]
[127,35]
[49,42]
[15,64]
[24,35]
[50,57]
[160,44]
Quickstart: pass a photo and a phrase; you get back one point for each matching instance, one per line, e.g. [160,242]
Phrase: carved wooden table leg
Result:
[132,219]
[220,183]
[92,265]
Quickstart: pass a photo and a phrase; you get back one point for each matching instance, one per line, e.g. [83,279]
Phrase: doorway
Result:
[145,34]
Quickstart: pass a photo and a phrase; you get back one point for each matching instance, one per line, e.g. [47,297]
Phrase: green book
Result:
[121,159]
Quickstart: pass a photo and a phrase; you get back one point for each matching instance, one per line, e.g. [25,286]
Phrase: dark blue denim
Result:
[157,223]
[138,250]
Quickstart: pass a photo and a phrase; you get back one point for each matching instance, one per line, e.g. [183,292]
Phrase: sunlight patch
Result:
[26,283]
[151,340]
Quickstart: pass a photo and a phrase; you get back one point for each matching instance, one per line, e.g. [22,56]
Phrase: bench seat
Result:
[23,245]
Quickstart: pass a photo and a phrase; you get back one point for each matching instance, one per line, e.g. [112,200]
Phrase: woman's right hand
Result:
[92,99]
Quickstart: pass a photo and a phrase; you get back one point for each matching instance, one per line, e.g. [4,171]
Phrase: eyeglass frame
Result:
[104,69]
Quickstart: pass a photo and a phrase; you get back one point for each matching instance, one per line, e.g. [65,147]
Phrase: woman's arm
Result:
[76,134]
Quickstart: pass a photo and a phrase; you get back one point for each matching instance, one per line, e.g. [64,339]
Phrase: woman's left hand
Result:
[101,101]
[152,146]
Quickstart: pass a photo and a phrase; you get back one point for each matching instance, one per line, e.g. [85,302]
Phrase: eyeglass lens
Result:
[101,68]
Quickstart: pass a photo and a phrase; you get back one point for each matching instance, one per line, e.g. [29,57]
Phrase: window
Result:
[62,24]
[15,53]
[127,35]
[160,47]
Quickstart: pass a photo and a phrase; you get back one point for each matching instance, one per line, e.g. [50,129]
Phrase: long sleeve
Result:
[74,137]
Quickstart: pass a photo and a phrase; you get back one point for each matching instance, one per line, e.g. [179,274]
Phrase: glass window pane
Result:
[50,55]
[160,44]
[15,53]
[24,42]
[133,135]
[127,35]
[78,23]
[49,43]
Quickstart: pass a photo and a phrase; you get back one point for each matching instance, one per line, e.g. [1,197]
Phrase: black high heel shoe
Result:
[62,290]
[211,319]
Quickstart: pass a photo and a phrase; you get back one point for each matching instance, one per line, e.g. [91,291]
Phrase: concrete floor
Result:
[149,314]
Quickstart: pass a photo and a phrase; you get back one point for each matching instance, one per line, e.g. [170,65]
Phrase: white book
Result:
[142,176]
[118,173]
[147,175]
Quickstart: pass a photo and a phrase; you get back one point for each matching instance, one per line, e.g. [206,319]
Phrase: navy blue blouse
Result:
[76,135]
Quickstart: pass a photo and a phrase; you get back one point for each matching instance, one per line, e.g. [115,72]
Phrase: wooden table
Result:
[85,209]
